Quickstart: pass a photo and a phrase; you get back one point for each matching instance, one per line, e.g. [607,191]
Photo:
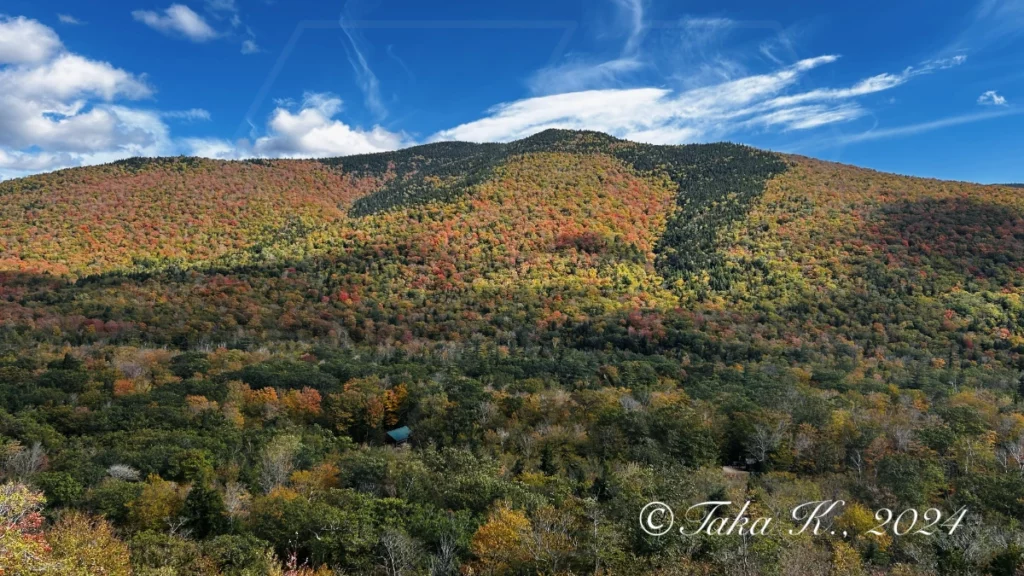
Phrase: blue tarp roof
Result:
[400,434]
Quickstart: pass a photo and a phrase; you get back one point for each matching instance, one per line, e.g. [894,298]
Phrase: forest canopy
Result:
[199,368]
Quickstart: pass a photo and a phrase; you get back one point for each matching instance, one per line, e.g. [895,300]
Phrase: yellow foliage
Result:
[845,560]
[161,501]
[500,543]
[85,546]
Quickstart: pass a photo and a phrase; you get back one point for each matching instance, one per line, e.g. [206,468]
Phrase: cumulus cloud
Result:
[69,76]
[177,19]
[24,41]
[992,98]
[102,134]
[308,130]
[312,131]
[61,109]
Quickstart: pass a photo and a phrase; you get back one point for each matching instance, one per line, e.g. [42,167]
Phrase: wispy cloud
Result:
[992,24]
[660,115]
[391,54]
[698,55]
[877,83]
[638,113]
[249,46]
[69,19]
[191,115]
[992,98]
[807,117]
[365,77]
[578,72]
[922,127]
[177,19]
[576,75]
[222,6]
[698,34]
[228,10]
[633,12]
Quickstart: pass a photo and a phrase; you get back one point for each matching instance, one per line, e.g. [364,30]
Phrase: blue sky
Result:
[925,88]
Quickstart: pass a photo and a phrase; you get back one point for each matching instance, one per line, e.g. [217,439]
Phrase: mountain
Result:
[571,325]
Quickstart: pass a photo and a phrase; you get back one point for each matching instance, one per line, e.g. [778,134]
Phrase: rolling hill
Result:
[571,325]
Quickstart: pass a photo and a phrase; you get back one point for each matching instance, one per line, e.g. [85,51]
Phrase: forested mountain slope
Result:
[572,325]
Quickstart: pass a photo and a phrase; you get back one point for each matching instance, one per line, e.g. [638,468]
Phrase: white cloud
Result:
[309,130]
[216,148]
[80,134]
[249,46]
[661,115]
[654,114]
[102,134]
[312,131]
[992,98]
[68,19]
[70,76]
[24,41]
[60,109]
[49,105]
[614,111]
[807,117]
[177,19]
[877,83]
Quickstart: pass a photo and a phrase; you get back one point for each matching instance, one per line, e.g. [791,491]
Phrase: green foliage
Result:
[60,488]
[205,512]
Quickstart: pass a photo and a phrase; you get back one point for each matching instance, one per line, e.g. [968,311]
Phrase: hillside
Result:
[572,325]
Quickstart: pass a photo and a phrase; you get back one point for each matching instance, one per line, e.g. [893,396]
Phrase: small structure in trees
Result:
[399,436]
